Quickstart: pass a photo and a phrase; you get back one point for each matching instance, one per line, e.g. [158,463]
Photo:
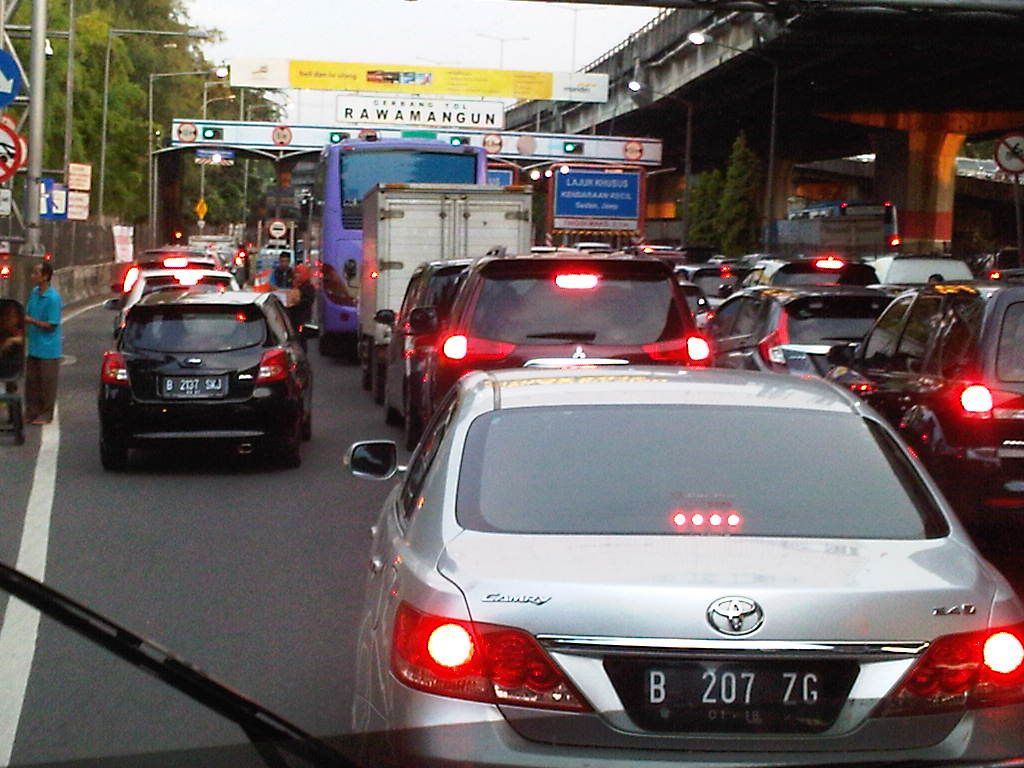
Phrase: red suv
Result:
[554,311]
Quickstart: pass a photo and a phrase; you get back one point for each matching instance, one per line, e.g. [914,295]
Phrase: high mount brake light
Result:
[175,262]
[114,371]
[577,281]
[968,670]
[479,662]
[829,263]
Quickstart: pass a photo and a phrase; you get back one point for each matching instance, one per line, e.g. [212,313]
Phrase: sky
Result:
[538,35]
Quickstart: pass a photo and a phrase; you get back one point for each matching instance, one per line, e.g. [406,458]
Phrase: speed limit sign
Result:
[277,229]
[281,135]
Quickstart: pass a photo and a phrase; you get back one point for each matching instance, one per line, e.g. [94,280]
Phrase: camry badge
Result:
[579,354]
[735,615]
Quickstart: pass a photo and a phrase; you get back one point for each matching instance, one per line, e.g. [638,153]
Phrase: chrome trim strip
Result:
[572,362]
[643,645]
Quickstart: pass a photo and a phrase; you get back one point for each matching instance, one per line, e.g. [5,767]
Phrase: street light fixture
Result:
[642,94]
[112,32]
[206,101]
[701,38]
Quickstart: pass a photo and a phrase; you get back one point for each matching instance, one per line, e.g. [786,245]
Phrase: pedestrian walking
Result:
[42,320]
[282,276]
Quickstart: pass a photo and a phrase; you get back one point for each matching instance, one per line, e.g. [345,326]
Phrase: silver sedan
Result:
[676,567]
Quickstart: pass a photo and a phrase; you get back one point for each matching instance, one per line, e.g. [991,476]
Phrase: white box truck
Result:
[405,225]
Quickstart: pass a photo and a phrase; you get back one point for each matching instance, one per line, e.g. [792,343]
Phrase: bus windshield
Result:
[362,171]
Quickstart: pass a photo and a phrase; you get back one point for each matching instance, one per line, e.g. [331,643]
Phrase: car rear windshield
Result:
[667,469]
[832,319]
[920,271]
[710,280]
[809,274]
[612,303]
[194,329]
[1010,357]
[206,284]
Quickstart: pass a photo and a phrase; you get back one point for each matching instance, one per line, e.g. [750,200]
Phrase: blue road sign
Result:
[53,200]
[500,177]
[10,79]
[595,199]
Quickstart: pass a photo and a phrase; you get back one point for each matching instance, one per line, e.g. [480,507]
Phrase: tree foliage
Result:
[738,212]
[704,200]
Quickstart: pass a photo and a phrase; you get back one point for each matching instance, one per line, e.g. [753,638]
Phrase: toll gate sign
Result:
[594,199]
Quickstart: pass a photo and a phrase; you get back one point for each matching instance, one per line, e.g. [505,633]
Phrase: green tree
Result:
[738,213]
[704,201]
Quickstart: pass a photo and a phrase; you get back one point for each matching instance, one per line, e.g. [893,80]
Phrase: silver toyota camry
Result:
[668,567]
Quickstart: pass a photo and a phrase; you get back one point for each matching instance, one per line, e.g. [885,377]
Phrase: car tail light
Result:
[113,370]
[130,278]
[693,350]
[995,274]
[240,259]
[471,349]
[335,289]
[5,272]
[976,399]
[972,669]
[829,263]
[895,241]
[770,347]
[577,281]
[725,272]
[480,662]
[175,262]
[273,367]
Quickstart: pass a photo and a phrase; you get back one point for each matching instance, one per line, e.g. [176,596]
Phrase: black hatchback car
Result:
[791,330]
[945,364]
[558,311]
[195,366]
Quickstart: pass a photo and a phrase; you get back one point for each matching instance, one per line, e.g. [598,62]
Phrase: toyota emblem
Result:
[735,615]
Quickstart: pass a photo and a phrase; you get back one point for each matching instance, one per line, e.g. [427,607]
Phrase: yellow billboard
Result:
[419,80]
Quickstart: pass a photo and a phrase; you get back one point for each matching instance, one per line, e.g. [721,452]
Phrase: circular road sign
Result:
[1010,153]
[188,132]
[633,150]
[281,135]
[11,152]
[277,229]
[492,143]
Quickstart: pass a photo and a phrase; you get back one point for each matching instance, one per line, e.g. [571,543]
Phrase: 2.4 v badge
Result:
[735,615]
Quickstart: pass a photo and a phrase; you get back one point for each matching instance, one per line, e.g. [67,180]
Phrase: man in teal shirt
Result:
[42,320]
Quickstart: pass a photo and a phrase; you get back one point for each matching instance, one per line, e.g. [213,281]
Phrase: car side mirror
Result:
[385,316]
[423,320]
[350,269]
[843,354]
[373,459]
[309,331]
[113,303]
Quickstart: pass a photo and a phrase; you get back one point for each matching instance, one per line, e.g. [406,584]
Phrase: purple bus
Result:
[347,172]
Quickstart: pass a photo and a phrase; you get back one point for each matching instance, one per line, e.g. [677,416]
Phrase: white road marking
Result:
[21,622]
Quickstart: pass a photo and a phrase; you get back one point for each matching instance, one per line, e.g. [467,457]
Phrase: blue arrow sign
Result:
[10,79]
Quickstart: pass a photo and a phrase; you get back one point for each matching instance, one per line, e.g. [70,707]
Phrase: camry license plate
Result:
[194,387]
[729,697]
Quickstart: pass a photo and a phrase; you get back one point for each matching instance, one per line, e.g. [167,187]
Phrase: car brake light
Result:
[995,274]
[725,272]
[894,241]
[5,272]
[113,370]
[972,669]
[175,262]
[240,259]
[469,348]
[582,281]
[693,350]
[977,399]
[770,346]
[829,263]
[130,278]
[273,366]
[479,662]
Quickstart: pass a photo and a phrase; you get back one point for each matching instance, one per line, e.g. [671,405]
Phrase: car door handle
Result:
[376,564]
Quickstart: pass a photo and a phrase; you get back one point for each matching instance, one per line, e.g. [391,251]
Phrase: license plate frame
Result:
[773,696]
[202,387]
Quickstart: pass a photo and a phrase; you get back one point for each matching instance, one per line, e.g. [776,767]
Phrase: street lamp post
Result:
[637,89]
[111,34]
[700,38]
[151,175]
[501,45]
[206,101]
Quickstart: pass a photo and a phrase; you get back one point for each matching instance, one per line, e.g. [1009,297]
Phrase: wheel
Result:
[290,451]
[380,372]
[367,378]
[324,346]
[392,416]
[113,453]
[307,425]
[413,423]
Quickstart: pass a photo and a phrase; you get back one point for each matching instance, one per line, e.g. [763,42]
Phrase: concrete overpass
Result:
[908,87]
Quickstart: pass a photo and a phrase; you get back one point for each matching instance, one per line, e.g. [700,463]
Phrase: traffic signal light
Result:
[213,134]
[338,136]
[572,147]
[459,141]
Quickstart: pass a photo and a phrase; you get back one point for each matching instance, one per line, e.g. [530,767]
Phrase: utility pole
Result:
[69,94]
[36,110]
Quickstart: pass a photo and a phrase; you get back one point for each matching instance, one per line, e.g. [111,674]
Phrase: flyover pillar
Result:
[915,166]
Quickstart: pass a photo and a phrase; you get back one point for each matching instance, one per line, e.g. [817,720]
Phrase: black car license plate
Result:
[709,696]
[193,387]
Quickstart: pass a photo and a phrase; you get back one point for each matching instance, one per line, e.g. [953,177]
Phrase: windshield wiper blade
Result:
[262,726]
[567,335]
